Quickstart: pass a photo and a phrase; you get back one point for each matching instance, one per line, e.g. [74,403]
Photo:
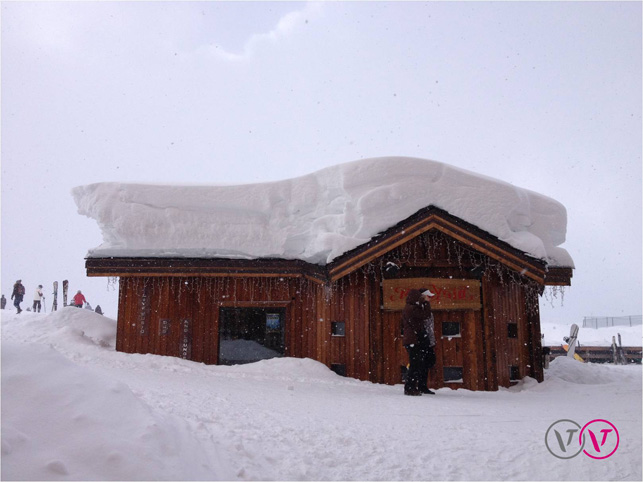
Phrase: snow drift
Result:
[73,408]
[316,217]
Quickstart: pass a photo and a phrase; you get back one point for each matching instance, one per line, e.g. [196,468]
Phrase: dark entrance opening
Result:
[248,335]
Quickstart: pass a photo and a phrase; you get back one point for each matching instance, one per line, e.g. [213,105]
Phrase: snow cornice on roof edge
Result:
[316,218]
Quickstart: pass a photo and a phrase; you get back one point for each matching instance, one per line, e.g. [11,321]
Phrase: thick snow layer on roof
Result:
[316,217]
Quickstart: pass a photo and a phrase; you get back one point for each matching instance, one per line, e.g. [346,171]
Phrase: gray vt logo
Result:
[562,439]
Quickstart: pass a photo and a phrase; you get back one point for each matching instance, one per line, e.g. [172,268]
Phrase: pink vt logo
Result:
[604,439]
[598,439]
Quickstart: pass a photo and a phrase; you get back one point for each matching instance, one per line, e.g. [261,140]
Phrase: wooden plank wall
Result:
[393,354]
[464,351]
[145,302]
[505,303]
[153,313]
[351,300]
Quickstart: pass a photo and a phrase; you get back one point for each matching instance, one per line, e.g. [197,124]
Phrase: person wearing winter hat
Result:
[37,296]
[18,294]
[419,340]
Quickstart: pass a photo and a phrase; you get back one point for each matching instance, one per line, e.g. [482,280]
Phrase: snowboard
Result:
[55,305]
[65,287]
[576,355]
[571,341]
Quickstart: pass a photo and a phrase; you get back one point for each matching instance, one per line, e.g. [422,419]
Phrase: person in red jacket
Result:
[79,300]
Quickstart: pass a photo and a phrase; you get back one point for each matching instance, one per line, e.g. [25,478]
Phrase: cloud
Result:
[286,27]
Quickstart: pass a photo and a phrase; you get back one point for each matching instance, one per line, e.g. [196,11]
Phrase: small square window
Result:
[512,330]
[450,329]
[338,368]
[338,328]
[453,374]
[514,373]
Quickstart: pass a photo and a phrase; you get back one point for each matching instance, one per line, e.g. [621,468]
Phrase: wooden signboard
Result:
[450,294]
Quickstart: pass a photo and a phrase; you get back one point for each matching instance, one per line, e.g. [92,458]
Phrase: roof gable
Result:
[431,218]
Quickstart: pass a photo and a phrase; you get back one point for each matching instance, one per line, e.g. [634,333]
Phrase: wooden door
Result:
[459,350]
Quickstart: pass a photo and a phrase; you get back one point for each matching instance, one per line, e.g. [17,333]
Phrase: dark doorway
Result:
[248,335]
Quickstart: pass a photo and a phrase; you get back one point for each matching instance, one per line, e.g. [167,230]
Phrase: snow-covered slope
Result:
[630,335]
[316,217]
[75,409]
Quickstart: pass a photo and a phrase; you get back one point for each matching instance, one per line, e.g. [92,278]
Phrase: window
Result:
[248,335]
[512,330]
[453,374]
[338,368]
[450,329]
[514,373]
[338,328]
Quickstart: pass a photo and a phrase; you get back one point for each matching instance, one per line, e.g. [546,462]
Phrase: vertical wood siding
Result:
[155,312]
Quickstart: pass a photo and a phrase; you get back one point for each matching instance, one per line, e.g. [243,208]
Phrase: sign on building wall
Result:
[144,311]
[186,339]
[450,294]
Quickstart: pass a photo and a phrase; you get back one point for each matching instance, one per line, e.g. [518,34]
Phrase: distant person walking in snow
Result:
[3,302]
[79,299]
[98,310]
[37,296]
[419,340]
[18,294]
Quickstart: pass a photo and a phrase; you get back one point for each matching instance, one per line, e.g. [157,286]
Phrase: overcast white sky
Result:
[544,95]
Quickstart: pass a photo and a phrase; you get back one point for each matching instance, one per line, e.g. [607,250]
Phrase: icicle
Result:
[112,283]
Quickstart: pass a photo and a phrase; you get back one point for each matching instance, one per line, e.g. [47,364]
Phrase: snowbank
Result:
[75,409]
[571,371]
[62,420]
[242,351]
[316,217]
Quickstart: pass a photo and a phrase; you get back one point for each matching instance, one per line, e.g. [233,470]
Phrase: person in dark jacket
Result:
[18,294]
[419,340]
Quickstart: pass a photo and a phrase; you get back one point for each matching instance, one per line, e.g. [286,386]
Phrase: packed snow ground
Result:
[75,409]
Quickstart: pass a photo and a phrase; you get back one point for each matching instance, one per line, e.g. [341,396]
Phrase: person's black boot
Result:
[412,389]
[412,393]
[426,391]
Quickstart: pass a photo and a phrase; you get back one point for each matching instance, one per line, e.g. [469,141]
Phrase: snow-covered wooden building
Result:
[319,267]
